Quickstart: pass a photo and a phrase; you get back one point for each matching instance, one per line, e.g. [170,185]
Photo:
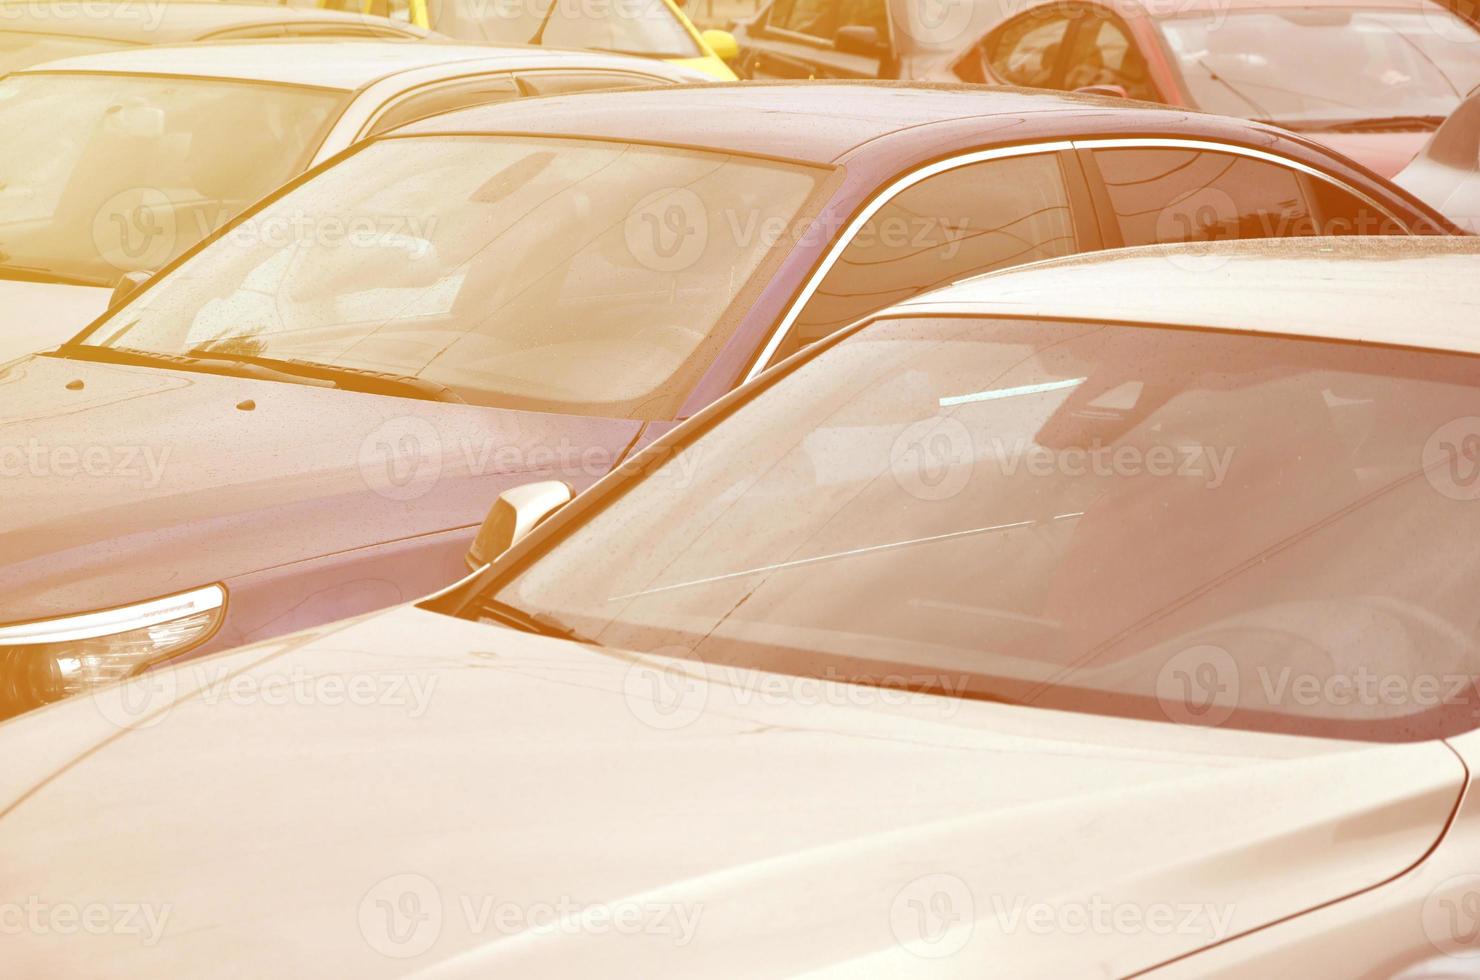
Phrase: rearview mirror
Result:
[860,40]
[130,283]
[723,43]
[517,511]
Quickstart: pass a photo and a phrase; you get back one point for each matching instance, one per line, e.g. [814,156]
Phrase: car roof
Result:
[161,22]
[1419,292]
[339,63]
[826,121]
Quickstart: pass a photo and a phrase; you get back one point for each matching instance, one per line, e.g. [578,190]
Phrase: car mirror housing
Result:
[130,283]
[723,44]
[860,40]
[517,511]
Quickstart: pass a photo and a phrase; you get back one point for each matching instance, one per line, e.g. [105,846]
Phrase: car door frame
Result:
[1105,213]
[1083,215]
[1088,199]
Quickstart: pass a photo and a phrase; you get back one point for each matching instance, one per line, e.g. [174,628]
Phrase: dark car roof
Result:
[163,23]
[827,122]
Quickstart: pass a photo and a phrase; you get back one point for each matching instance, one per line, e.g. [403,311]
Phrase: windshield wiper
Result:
[1377,124]
[182,362]
[269,369]
[353,379]
[537,623]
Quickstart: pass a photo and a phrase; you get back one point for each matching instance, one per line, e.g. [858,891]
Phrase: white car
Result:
[114,164]
[1113,616]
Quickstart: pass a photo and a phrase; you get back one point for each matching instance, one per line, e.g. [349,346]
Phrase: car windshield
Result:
[22,49]
[1316,67]
[571,276]
[106,174]
[1172,524]
[640,27]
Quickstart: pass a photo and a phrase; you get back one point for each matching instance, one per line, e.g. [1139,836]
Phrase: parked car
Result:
[1371,78]
[117,163]
[1447,173]
[918,40]
[34,31]
[650,28]
[307,417]
[1105,616]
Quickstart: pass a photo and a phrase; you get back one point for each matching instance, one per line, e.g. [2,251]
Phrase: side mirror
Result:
[127,286]
[860,40]
[1115,91]
[517,511]
[723,43]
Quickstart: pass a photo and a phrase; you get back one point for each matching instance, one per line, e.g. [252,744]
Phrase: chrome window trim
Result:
[1173,143]
[904,183]
[880,200]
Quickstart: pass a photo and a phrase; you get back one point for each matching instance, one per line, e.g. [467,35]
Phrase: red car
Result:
[1371,78]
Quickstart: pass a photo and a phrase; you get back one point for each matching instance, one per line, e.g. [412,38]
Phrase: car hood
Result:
[127,483]
[36,316]
[409,791]
[1383,153]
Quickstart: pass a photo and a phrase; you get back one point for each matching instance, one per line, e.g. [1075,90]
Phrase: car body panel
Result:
[1446,174]
[502,748]
[35,311]
[1418,293]
[185,486]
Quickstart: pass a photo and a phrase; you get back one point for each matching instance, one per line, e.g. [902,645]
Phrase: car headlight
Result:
[55,658]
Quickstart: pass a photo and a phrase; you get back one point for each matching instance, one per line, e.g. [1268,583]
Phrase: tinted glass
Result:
[1029,50]
[551,275]
[103,174]
[1320,67]
[1174,195]
[1104,55]
[643,27]
[1171,524]
[965,221]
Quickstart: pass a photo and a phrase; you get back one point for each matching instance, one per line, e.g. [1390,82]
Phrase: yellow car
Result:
[650,28]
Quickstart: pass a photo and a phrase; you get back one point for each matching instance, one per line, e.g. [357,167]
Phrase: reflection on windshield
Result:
[106,174]
[581,277]
[22,49]
[1056,514]
[1321,66]
[642,27]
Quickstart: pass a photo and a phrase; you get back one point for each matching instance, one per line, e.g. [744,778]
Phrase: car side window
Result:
[1028,50]
[445,98]
[823,19]
[1104,54]
[1340,212]
[1164,195]
[960,223]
